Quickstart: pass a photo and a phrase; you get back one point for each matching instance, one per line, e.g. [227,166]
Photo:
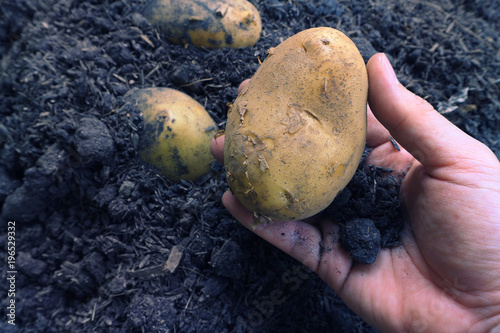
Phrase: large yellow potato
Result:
[177,133]
[206,23]
[295,135]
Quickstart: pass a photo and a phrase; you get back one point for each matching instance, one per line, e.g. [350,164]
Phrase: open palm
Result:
[445,277]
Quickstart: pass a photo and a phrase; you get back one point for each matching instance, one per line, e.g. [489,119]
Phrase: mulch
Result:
[104,243]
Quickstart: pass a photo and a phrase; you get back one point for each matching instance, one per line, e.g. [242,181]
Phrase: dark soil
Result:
[105,243]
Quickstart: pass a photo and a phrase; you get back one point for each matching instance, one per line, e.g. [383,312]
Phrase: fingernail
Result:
[388,69]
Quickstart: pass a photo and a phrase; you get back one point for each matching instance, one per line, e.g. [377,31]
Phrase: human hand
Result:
[444,277]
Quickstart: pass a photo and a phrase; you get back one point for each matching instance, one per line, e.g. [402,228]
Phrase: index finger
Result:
[217,148]
[317,247]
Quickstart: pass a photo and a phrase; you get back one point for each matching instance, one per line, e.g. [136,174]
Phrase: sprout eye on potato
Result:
[295,134]
[206,23]
[177,133]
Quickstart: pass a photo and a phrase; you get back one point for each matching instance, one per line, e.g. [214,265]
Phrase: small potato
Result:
[177,133]
[295,134]
[209,23]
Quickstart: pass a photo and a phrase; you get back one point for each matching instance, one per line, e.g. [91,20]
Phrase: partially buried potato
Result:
[177,133]
[206,23]
[295,134]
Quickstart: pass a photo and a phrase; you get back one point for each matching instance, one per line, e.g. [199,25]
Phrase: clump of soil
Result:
[106,243]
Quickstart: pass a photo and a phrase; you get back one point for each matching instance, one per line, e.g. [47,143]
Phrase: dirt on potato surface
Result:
[104,242]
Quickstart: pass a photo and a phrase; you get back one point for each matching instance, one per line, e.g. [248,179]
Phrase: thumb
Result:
[427,135]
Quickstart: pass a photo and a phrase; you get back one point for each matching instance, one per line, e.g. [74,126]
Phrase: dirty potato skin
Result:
[177,133]
[295,134]
[206,23]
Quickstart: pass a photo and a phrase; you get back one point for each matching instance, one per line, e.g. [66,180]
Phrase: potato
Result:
[209,23]
[177,133]
[295,134]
